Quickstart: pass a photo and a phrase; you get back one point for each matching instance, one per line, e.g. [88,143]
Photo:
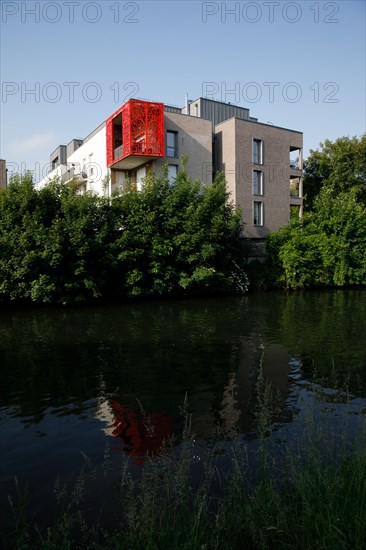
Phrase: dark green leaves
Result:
[328,247]
[57,246]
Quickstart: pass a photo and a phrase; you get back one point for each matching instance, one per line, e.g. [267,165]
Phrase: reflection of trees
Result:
[327,330]
[158,351]
[155,351]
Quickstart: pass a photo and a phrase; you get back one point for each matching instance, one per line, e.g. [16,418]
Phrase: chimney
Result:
[187,104]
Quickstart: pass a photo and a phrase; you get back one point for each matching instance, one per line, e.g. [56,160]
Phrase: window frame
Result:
[170,148]
[257,151]
[260,217]
[258,186]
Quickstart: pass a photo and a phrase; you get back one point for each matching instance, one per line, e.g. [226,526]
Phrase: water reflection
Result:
[77,382]
[141,435]
[63,369]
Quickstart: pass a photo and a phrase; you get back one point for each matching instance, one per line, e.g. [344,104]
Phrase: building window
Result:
[172,172]
[257,213]
[295,158]
[257,182]
[257,151]
[295,187]
[171,144]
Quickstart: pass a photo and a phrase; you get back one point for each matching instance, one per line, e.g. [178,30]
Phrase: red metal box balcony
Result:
[135,134]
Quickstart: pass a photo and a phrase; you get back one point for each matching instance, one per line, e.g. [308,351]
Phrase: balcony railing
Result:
[118,152]
[78,178]
[141,123]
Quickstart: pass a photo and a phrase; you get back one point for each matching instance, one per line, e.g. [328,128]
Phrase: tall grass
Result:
[310,493]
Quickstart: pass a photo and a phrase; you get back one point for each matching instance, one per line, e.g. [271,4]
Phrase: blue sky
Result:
[67,65]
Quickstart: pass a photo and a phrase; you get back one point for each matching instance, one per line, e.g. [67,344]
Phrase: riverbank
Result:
[309,496]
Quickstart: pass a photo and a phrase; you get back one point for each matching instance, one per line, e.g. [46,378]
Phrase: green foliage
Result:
[58,246]
[178,237]
[328,246]
[340,166]
[52,242]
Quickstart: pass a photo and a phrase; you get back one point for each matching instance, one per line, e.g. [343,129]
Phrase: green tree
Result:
[57,246]
[328,246]
[52,243]
[339,165]
[179,237]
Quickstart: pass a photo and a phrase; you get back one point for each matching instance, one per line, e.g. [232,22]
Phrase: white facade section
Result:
[87,166]
[58,172]
[90,159]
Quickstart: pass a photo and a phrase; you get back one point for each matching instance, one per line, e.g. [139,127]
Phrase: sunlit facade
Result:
[262,163]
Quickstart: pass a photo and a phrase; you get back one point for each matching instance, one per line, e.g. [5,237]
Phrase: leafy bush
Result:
[328,246]
[57,246]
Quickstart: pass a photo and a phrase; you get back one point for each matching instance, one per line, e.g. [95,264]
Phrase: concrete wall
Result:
[3,174]
[59,155]
[216,111]
[72,146]
[225,155]
[195,141]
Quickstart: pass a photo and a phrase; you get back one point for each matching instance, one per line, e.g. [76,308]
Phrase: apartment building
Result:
[262,163]
[263,169]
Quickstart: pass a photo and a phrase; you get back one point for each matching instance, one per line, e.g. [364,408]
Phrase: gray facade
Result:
[216,111]
[72,146]
[59,156]
[193,140]
[263,168]
[3,175]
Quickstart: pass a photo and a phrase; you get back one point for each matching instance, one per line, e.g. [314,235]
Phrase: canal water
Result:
[77,384]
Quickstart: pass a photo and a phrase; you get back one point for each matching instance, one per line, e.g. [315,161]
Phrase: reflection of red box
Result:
[135,130]
[142,434]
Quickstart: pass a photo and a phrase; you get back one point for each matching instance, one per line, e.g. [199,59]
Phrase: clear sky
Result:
[67,65]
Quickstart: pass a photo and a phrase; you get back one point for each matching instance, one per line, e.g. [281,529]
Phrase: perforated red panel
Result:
[142,131]
[109,138]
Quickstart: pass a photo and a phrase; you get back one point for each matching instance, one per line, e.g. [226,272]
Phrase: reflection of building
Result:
[262,163]
[142,435]
[232,410]
[226,410]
